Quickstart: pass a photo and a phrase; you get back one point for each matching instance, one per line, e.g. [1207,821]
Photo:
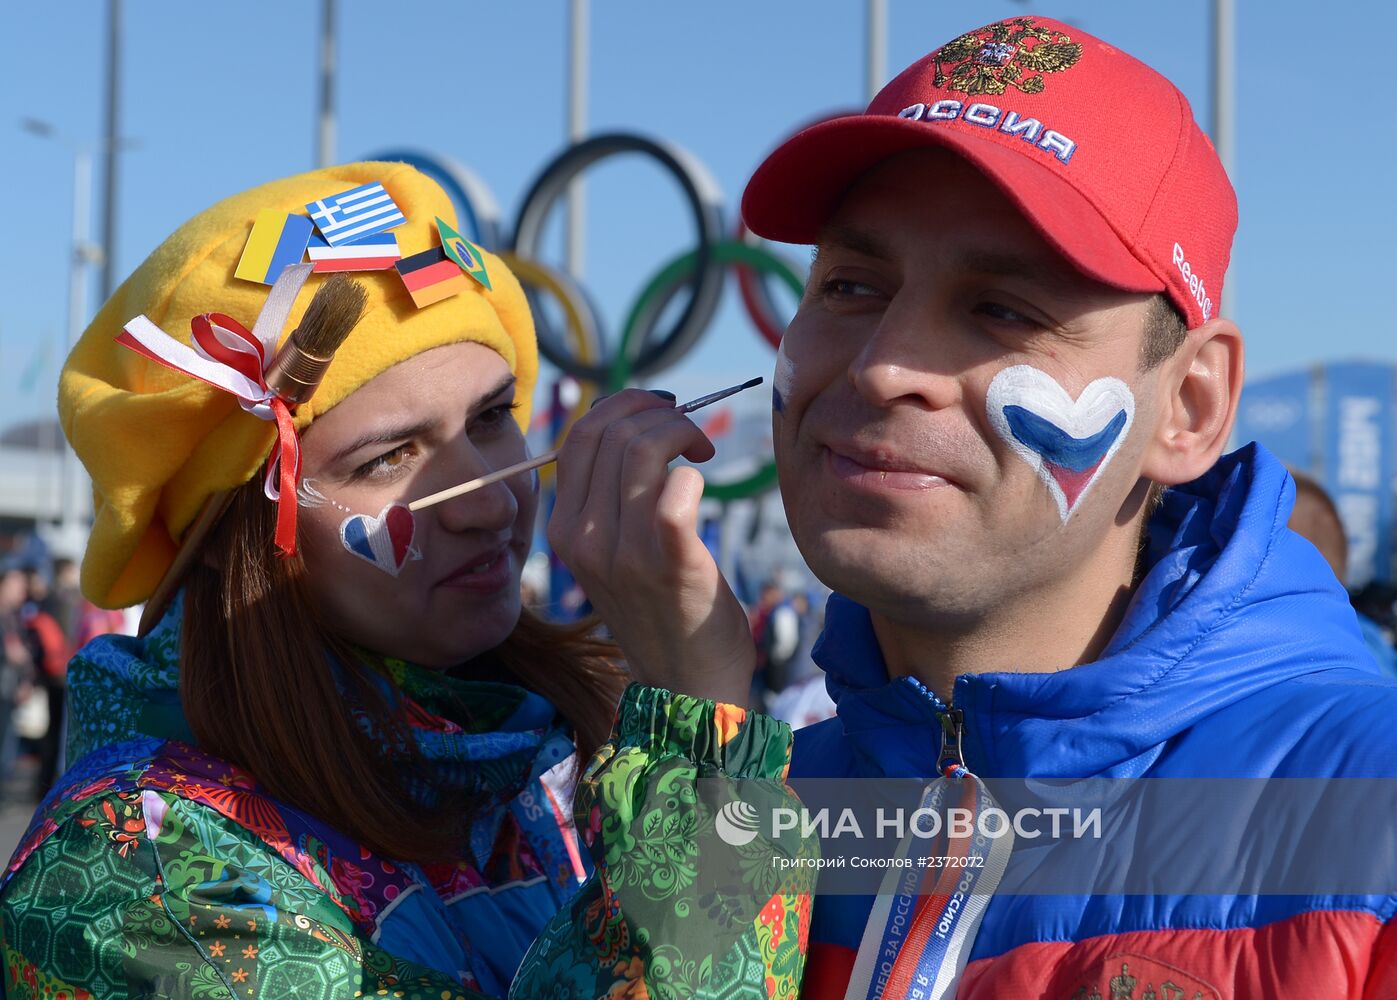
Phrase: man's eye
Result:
[844,288]
[1003,313]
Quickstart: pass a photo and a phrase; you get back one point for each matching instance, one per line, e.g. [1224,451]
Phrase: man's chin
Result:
[875,573]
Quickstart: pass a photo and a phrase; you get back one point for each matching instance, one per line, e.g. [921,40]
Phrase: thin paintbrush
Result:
[544,459]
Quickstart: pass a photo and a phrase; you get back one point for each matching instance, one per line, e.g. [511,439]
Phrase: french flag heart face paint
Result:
[384,541]
[1067,442]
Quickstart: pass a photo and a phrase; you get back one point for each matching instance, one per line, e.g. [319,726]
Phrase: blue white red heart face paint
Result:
[384,541]
[1067,442]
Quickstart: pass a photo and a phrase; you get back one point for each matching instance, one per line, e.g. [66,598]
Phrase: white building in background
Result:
[34,481]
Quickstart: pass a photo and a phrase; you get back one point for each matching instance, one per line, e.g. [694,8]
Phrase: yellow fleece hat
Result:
[158,443]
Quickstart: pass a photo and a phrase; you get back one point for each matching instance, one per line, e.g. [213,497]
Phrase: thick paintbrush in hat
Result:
[289,379]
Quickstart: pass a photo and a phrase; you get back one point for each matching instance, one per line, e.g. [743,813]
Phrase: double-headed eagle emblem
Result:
[999,56]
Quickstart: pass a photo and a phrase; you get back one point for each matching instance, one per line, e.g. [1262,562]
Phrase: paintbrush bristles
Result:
[300,364]
[333,312]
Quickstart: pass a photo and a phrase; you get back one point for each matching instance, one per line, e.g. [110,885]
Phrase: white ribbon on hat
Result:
[228,357]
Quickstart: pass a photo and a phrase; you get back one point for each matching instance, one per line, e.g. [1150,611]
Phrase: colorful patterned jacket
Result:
[155,869]
[1239,657]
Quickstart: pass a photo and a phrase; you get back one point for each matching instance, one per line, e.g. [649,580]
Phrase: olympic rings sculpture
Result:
[642,348]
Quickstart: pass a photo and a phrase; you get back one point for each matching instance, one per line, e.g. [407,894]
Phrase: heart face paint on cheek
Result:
[1068,442]
[384,541]
[783,377]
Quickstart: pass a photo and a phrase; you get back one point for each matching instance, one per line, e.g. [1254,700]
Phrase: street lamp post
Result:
[84,253]
[71,479]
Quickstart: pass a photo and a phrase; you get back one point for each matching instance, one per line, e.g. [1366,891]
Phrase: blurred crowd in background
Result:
[787,613]
[44,619]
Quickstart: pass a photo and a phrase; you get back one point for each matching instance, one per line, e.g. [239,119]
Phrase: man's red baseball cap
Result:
[1097,150]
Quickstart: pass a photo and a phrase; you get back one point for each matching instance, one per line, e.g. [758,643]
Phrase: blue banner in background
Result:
[566,601]
[1337,423]
[1276,412]
[1358,463]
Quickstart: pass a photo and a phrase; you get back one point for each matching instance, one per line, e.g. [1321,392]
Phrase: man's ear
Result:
[1199,390]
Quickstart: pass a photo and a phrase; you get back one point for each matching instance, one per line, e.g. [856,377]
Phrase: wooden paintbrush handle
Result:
[534,463]
[493,477]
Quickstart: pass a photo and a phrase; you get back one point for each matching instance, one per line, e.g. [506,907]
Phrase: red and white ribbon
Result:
[227,356]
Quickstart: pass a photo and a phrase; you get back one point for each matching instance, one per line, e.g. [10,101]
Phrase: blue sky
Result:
[221,97]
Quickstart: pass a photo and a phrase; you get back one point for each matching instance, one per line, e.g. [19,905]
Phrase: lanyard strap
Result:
[925,917]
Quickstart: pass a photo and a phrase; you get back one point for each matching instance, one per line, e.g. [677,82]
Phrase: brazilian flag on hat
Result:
[465,253]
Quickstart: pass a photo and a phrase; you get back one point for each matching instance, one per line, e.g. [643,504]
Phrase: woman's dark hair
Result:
[258,691]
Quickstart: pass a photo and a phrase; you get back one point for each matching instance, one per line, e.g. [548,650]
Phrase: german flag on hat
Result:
[431,276]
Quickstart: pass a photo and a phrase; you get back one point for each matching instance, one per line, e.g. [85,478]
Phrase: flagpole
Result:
[111,149]
[325,131]
[876,62]
[577,130]
[1224,105]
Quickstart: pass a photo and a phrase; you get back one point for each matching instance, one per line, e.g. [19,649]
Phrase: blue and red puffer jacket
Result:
[1239,657]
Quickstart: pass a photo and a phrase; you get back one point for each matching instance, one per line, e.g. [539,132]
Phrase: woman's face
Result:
[441,585]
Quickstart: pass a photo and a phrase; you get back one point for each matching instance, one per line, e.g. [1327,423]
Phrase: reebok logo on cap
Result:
[1196,288]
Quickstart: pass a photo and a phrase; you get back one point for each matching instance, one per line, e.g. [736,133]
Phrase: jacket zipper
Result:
[952,755]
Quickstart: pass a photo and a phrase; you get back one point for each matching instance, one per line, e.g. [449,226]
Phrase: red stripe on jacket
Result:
[1321,955]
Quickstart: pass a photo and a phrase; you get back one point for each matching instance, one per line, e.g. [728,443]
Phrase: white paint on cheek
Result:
[1068,443]
[308,495]
[785,374]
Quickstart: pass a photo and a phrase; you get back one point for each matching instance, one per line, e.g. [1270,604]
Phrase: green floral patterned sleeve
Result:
[689,898]
[108,907]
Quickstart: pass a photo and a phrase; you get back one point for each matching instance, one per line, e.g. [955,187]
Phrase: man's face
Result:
[900,493]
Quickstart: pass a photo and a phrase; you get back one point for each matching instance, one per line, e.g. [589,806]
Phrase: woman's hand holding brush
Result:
[626,525]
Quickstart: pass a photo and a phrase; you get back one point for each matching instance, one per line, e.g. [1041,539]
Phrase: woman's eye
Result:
[496,415]
[385,464]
